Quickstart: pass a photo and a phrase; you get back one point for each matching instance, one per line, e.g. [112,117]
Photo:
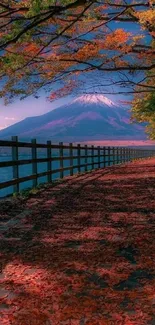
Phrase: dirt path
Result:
[83,252]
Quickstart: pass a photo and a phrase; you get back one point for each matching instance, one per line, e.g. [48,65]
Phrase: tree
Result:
[143,106]
[47,41]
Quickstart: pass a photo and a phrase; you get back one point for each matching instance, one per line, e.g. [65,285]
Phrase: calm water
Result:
[26,170]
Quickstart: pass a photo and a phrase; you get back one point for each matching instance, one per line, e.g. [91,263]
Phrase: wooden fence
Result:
[87,158]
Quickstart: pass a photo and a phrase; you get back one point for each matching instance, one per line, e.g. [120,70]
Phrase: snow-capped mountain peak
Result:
[94,99]
[90,116]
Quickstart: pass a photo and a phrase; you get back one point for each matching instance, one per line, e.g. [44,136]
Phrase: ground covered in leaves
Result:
[82,252]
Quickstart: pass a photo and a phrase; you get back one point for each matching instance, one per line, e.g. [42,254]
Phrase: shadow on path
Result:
[83,252]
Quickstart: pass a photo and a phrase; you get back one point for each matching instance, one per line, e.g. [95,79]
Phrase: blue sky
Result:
[19,110]
[31,107]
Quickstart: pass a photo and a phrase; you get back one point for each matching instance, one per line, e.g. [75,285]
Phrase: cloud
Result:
[10,118]
[3,127]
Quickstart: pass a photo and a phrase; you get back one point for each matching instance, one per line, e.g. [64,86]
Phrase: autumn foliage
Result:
[45,42]
[51,45]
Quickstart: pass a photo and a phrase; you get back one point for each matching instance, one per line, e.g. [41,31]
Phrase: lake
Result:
[26,170]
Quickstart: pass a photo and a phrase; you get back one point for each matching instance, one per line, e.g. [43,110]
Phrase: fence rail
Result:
[84,155]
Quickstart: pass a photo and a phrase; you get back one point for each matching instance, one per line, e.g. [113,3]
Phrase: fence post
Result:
[49,162]
[139,153]
[79,158]
[92,153]
[109,156]
[99,161]
[15,168]
[123,155]
[129,154]
[117,155]
[120,155]
[34,164]
[113,155]
[104,157]
[132,154]
[126,154]
[61,160]
[71,158]
[86,159]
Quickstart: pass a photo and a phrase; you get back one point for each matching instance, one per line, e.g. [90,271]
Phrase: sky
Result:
[21,109]
[31,106]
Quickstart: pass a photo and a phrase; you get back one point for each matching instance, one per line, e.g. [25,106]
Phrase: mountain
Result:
[87,117]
